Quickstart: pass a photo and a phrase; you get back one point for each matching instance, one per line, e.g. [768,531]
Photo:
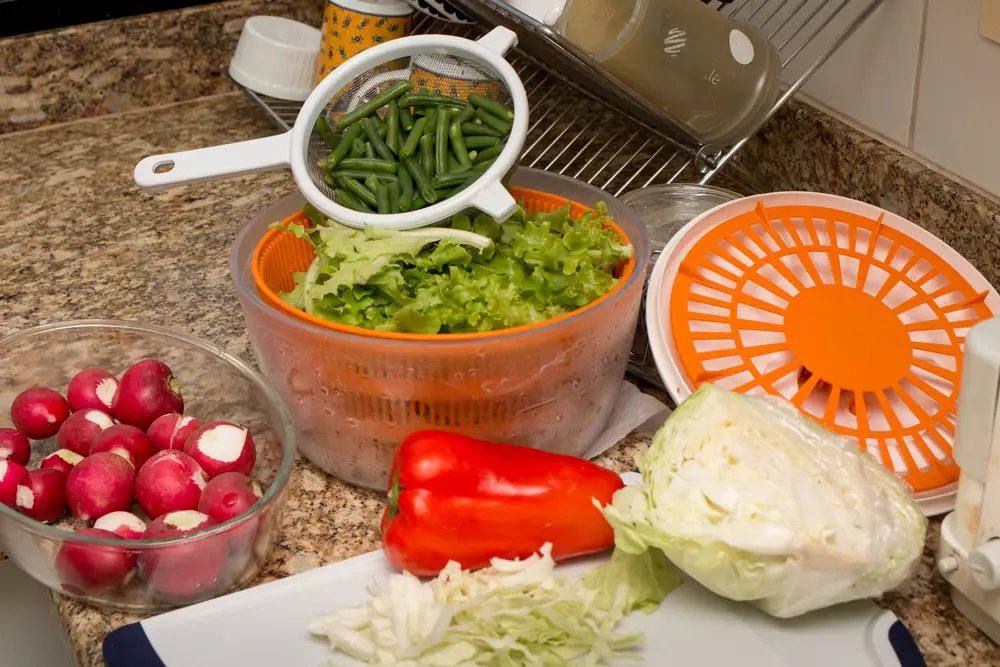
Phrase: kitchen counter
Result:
[79,240]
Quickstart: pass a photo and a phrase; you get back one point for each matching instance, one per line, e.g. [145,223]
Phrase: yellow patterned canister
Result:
[448,75]
[351,26]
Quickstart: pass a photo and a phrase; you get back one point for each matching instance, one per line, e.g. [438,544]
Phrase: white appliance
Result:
[969,552]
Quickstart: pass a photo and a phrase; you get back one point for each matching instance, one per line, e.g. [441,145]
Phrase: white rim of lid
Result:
[374,7]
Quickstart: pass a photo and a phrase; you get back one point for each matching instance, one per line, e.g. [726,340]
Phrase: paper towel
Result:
[634,410]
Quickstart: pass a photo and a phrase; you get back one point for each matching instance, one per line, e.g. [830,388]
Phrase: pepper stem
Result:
[394,496]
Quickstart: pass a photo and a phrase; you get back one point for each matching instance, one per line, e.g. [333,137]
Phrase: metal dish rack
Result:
[586,125]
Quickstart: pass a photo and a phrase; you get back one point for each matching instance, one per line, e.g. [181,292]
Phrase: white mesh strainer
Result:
[348,86]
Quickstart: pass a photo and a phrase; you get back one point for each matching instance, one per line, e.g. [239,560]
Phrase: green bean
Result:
[474,129]
[374,104]
[405,118]
[493,107]
[371,131]
[346,144]
[481,142]
[489,153]
[452,178]
[426,153]
[372,182]
[358,190]
[357,147]
[418,203]
[428,99]
[483,166]
[405,189]
[380,124]
[473,154]
[394,196]
[458,143]
[361,175]
[464,115]
[441,145]
[413,138]
[473,175]
[345,199]
[431,125]
[328,135]
[382,194]
[366,151]
[453,164]
[498,124]
[421,179]
[392,127]
[365,164]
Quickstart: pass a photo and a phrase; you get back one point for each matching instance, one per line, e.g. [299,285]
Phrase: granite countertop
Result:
[79,240]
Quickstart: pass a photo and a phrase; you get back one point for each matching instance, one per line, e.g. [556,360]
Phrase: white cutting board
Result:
[267,626]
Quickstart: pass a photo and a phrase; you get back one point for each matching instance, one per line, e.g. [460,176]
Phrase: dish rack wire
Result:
[586,125]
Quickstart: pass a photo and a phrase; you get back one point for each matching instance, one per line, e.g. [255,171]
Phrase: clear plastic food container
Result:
[353,397]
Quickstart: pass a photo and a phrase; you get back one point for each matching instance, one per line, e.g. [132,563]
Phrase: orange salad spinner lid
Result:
[281,254]
[855,315]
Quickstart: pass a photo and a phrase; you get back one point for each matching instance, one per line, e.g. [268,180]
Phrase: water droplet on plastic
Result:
[458,376]
[473,372]
[351,421]
[328,411]
[481,352]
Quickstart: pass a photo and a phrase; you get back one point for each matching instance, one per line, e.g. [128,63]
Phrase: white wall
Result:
[919,73]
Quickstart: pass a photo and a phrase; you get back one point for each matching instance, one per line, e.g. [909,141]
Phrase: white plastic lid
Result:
[276,56]
[543,11]
[377,7]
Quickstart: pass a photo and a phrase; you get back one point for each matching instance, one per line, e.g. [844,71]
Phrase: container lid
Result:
[855,315]
[665,209]
[375,7]
[276,56]
[547,12]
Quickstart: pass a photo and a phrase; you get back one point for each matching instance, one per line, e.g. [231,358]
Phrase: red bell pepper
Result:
[452,497]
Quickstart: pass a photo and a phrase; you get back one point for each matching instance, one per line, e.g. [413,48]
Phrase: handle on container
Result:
[162,172]
[495,201]
[499,40]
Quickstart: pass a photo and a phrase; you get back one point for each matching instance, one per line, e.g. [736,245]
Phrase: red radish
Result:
[126,441]
[86,569]
[147,390]
[39,412]
[171,431]
[91,388]
[11,475]
[222,447]
[187,571]
[14,446]
[62,460]
[170,481]
[123,524]
[100,484]
[229,495]
[79,431]
[41,495]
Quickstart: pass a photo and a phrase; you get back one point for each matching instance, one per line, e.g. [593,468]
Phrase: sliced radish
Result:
[123,524]
[11,475]
[146,391]
[100,484]
[39,412]
[170,481]
[127,442]
[222,447]
[79,431]
[41,495]
[189,571]
[171,431]
[88,569]
[91,388]
[62,460]
[14,446]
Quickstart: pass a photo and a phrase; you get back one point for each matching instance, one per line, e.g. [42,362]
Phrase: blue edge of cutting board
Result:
[128,646]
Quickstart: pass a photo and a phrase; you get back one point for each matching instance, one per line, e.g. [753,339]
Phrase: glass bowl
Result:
[164,573]
[354,397]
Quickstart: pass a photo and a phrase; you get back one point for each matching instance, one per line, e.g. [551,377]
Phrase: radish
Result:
[171,431]
[100,484]
[170,481]
[62,460]
[123,524]
[39,412]
[86,569]
[188,571]
[14,446]
[11,475]
[79,431]
[127,442]
[41,495]
[229,495]
[147,390]
[91,388]
[222,447]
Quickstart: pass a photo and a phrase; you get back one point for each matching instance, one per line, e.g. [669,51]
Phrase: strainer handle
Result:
[209,164]
[499,40]
[495,201]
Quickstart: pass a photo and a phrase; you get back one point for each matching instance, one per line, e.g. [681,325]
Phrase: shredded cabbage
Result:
[759,503]
[511,614]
